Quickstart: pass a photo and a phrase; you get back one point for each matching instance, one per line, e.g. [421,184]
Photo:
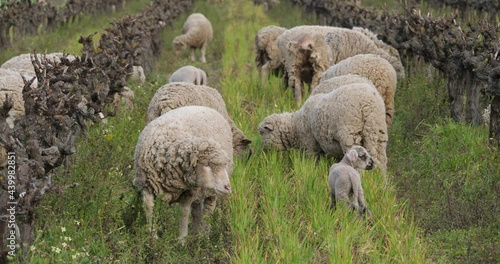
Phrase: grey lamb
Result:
[189,74]
[344,179]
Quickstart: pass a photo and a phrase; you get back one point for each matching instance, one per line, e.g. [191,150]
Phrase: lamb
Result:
[344,179]
[308,51]
[178,94]
[267,55]
[197,34]
[11,86]
[332,123]
[394,59]
[185,157]
[376,69]
[189,74]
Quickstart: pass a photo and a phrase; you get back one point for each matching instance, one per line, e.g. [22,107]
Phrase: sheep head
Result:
[212,167]
[277,131]
[179,45]
[359,158]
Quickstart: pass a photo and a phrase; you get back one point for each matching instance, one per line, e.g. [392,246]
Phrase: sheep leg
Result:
[193,57]
[203,52]
[185,205]
[333,203]
[197,214]
[363,210]
[148,199]
[264,73]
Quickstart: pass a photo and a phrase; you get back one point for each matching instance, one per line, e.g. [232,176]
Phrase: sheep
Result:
[344,179]
[307,52]
[197,34]
[185,157]
[331,123]
[267,55]
[11,86]
[394,59]
[376,69]
[178,94]
[189,74]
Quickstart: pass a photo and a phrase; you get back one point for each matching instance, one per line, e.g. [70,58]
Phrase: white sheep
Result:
[395,58]
[189,74]
[197,34]
[267,55]
[11,85]
[332,123]
[344,179]
[185,157]
[376,69]
[178,94]
[308,51]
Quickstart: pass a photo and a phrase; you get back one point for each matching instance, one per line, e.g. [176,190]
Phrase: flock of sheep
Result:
[185,152]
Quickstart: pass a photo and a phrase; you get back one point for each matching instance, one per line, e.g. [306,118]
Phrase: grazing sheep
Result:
[11,85]
[197,33]
[178,94]
[185,157]
[376,69]
[308,51]
[344,179]
[189,74]
[394,59]
[332,123]
[267,55]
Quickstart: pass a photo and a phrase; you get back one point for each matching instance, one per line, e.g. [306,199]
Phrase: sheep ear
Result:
[269,127]
[352,155]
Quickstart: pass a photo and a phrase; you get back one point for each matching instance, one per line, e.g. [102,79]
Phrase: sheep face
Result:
[179,46]
[359,158]
[214,178]
[275,131]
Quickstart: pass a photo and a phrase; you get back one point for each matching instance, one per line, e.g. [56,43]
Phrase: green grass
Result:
[278,212]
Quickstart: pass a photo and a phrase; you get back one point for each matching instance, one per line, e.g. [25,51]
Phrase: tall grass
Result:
[278,212]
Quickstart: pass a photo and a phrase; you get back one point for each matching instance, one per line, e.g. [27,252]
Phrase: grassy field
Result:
[439,205]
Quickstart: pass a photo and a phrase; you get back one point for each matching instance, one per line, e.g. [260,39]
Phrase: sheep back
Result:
[189,74]
[327,85]
[375,68]
[178,94]
[353,114]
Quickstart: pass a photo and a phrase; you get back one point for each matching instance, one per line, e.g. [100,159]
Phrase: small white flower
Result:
[74,256]
[64,245]
[32,248]
[67,239]
[63,229]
